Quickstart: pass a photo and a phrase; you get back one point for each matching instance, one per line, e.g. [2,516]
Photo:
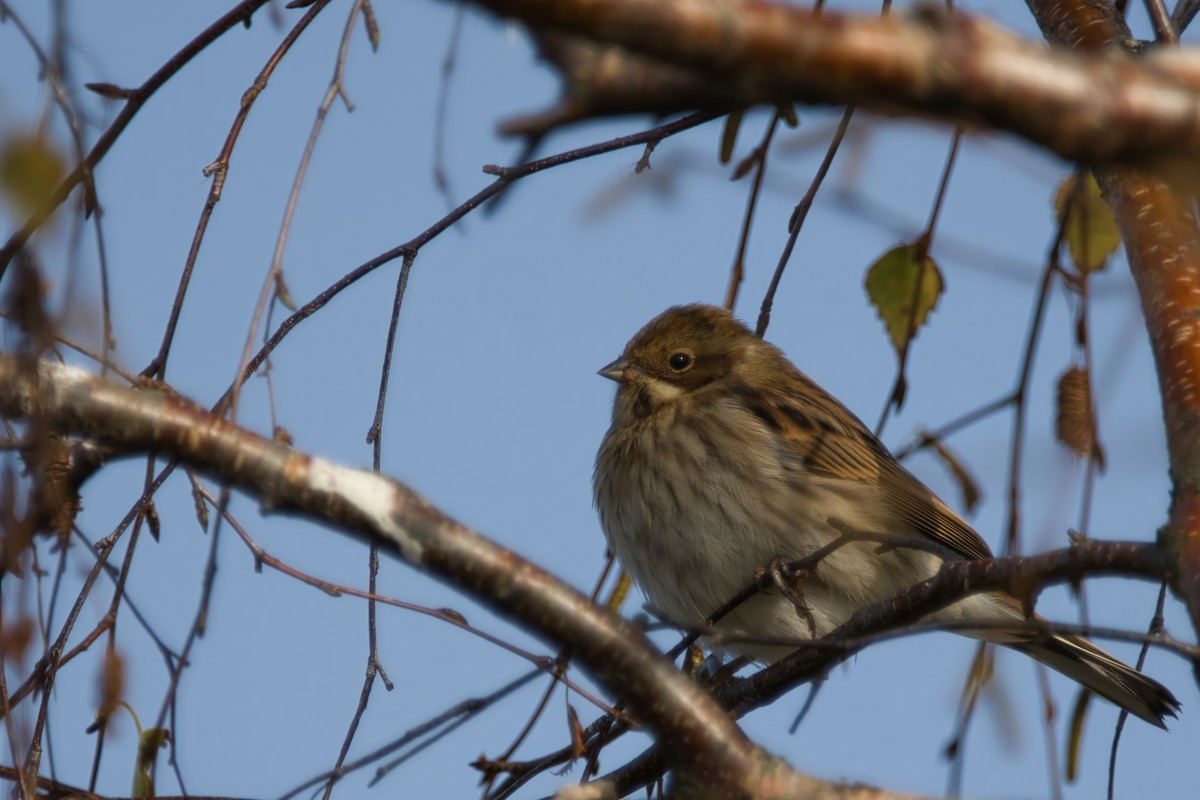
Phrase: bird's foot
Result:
[789,582]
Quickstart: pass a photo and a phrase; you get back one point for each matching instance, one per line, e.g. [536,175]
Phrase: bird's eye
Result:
[680,361]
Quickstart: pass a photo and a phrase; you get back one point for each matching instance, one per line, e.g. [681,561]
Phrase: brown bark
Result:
[1162,243]
[1095,107]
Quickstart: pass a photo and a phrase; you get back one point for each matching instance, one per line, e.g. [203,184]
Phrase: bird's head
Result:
[681,352]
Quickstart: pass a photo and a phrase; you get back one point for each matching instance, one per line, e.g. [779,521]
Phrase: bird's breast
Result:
[694,501]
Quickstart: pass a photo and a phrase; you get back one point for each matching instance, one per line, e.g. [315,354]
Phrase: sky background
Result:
[495,410]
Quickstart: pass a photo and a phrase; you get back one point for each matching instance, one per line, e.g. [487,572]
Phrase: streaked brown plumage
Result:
[723,457]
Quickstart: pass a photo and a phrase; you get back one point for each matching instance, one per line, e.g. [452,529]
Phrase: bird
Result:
[723,458]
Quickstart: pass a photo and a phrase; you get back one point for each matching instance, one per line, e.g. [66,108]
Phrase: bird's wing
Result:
[828,440]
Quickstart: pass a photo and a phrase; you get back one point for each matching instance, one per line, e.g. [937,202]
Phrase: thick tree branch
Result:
[710,754]
[1162,242]
[1097,108]
[1022,576]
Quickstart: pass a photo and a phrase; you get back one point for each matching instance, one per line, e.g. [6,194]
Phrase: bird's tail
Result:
[1104,675]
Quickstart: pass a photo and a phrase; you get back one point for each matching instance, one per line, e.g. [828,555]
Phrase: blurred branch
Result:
[674,55]
[49,789]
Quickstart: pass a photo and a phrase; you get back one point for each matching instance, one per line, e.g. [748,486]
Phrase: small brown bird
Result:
[723,457]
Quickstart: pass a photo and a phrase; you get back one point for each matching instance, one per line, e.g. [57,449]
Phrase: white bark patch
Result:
[373,495]
[64,373]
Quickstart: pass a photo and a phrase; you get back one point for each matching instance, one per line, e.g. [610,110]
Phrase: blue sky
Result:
[495,411]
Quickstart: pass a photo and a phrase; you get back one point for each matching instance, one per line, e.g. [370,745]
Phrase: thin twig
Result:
[218,170]
[760,169]
[923,243]
[1156,626]
[134,100]
[799,214]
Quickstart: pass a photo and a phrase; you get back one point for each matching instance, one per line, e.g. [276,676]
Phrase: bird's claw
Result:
[789,582]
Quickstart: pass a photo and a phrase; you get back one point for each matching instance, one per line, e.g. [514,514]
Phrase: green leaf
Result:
[1091,232]
[729,135]
[892,287]
[149,742]
[30,168]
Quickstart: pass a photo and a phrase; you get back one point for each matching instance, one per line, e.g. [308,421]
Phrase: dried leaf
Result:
[578,745]
[891,284]
[112,683]
[1074,424]
[60,502]
[371,24]
[962,476]
[282,294]
[15,637]
[1091,232]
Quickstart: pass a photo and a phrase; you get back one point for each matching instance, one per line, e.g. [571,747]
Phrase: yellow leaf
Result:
[1091,232]
[29,170]
[892,283]
[624,583]
[282,294]
[1075,734]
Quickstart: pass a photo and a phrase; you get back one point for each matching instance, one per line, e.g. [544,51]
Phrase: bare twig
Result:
[134,100]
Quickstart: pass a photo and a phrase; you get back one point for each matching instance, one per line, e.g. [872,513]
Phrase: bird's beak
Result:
[614,371]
